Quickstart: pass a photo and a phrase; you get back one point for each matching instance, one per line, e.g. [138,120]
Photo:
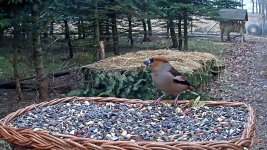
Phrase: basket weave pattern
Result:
[54,141]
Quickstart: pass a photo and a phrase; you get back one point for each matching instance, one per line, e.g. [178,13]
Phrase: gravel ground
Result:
[245,79]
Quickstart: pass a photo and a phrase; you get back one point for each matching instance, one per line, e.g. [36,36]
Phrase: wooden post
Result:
[242,31]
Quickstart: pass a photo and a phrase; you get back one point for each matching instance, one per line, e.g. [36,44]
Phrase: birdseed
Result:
[137,122]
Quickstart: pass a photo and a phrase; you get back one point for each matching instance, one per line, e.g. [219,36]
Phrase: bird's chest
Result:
[161,79]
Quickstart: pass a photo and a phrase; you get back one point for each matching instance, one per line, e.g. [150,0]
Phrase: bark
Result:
[107,31]
[81,34]
[185,31]
[101,51]
[259,4]
[115,34]
[1,37]
[145,30]
[168,29]
[51,32]
[101,32]
[180,38]
[67,38]
[45,35]
[253,6]
[79,29]
[146,39]
[16,40]
[191,26]
[256,6]
[83,30]
[149,27]
[130,30]
[263,8]
[173,34]
[37,51]
[96,31]
[16,75]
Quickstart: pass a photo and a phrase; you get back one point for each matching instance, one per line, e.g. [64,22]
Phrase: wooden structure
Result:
[233,20]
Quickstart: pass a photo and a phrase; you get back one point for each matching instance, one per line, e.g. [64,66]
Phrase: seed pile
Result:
[137,122]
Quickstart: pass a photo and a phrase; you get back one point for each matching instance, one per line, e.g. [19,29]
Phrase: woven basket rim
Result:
[9,133]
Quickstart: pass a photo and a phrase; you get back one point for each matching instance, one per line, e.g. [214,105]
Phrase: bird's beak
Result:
[147,62]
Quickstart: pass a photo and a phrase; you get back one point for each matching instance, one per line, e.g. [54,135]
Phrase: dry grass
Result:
[183,61]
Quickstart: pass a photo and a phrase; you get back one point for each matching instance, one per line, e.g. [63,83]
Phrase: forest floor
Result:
[244,79]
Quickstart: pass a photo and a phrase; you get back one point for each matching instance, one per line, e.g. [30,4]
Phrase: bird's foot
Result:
[176,102]
[157,101]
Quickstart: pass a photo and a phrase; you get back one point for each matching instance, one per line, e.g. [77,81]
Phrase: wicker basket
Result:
[45,140]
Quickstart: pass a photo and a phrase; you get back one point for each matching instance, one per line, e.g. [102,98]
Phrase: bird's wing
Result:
[174,72]
[181,80]
[178,78]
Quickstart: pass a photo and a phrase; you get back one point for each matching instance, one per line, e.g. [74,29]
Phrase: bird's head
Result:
[156,62]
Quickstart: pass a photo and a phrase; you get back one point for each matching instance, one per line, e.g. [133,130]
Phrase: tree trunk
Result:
[79,28]
[16,40]
[115,34]
[256,6]
[253,6]
[185,32]
[51,32]
[16,74]
[145,39]
[259,3]
[168,29]
[37,51]
[101,51]
[130,32]
[180,38]
[173,34]
[107,30]
[67,38]
[83,30]
[96,31]
[149,27]
[1,37]
[263,8]
[101,31]
[191,26]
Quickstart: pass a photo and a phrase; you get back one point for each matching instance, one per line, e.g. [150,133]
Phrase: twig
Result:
[50,44]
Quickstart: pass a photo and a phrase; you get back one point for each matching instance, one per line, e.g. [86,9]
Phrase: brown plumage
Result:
[166,78]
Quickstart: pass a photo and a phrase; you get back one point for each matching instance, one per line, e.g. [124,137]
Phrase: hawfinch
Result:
[166,78]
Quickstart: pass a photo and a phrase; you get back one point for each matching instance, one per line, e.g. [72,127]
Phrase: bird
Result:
[166,78]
